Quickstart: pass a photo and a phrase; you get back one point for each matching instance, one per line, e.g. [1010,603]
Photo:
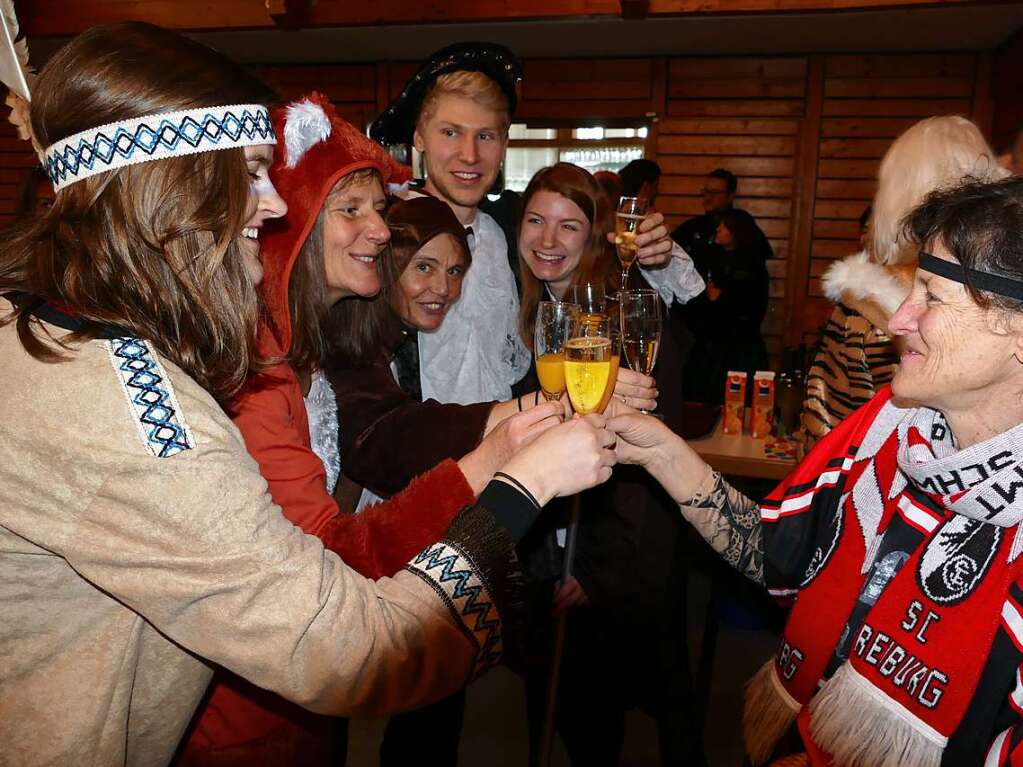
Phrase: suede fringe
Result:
[768,714]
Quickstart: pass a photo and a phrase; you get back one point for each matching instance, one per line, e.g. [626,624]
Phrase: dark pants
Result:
[431,733]
[609,667]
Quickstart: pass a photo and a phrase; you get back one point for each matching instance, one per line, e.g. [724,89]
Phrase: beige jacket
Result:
[120,571]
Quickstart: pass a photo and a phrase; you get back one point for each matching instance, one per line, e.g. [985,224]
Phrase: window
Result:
[594,148]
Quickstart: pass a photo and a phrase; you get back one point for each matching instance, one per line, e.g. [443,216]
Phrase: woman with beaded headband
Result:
[319,261]
[138,544]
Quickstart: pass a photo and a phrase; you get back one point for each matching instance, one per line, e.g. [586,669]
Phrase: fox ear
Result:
[305,125]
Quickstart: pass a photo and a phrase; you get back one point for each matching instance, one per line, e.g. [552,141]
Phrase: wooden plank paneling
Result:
[744,114]
[725,127]
[868,101]
[900,107]
[745,146]
[737,107]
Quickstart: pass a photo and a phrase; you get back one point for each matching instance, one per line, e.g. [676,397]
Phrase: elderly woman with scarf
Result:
[898,539]
[856,356]
[320,259]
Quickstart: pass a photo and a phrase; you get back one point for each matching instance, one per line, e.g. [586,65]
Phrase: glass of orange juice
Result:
[553,324]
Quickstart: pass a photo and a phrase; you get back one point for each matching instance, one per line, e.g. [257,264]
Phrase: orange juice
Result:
[550,369]
[763,403]
[735,402]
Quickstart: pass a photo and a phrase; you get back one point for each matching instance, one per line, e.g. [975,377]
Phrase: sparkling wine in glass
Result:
[588,355]
[553,324]
[631,212]
[641,328]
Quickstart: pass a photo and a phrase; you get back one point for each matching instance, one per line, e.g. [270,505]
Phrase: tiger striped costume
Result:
[856,357]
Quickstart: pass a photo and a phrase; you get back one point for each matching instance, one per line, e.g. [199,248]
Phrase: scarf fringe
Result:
[849,722]
[769,713]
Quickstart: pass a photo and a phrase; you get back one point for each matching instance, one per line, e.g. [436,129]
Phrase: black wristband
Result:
[512,509]
[520,486]
[536,398]
[520,403]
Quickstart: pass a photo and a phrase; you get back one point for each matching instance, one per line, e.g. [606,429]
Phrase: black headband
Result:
[992,283]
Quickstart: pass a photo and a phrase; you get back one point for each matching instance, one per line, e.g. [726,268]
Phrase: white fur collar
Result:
[859,277]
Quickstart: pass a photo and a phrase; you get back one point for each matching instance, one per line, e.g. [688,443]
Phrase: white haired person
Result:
[897,540]
[856,357]
[139,547]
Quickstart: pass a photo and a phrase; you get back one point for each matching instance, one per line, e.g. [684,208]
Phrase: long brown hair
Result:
[149,248]
[597,264]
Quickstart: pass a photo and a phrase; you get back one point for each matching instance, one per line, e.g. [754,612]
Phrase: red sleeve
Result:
[379,541]
[273,421]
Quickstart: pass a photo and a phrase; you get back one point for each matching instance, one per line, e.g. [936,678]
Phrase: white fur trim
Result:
[864,279]
[305,125]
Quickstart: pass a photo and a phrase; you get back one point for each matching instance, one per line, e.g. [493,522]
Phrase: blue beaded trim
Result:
[156,137]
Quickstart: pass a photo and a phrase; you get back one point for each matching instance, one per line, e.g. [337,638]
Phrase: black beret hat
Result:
[398,122]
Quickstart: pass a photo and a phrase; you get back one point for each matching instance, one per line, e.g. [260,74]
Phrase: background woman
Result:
[856,356]
[626,636]
[897,539]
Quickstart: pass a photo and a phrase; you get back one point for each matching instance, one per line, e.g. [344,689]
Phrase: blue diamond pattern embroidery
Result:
[469,599]
[151,397]
[211,128]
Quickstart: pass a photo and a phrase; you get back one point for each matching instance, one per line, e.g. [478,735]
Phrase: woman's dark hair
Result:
[150,248]
[742,226]
[981,226]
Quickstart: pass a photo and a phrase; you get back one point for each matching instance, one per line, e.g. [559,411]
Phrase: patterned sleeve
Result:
[730,523]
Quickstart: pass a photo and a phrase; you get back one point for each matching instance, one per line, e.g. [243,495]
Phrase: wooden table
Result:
[740,454]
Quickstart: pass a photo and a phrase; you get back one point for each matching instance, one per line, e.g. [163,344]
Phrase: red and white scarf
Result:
[899,550]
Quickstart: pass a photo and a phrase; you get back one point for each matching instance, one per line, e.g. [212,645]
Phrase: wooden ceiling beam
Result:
[68,17]
[635,9]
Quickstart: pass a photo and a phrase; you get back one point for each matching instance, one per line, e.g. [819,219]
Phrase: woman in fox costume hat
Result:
[856,356]
[898,538]
[322,254]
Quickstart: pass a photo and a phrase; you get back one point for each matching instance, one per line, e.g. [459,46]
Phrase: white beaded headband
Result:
[156,137]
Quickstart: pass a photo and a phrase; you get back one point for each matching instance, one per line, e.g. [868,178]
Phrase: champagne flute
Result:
[552,328]
[589,296]
[641,328]
[631,211]
[588,354]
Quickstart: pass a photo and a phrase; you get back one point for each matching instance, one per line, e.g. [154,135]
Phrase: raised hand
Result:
[653,240]
[566,459]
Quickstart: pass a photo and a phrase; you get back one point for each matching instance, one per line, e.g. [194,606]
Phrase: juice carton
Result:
[763,403]
[735,402]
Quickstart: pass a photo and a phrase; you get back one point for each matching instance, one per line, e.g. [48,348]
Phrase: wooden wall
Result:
[803,133]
